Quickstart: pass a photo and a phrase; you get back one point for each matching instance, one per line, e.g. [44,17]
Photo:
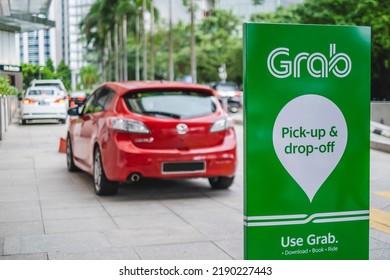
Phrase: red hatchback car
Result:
[129,130]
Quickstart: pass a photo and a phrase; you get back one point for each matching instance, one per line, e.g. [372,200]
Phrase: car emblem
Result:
[182,128]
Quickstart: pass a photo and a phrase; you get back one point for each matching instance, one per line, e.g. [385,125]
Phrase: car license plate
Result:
[43,103]
[183,167]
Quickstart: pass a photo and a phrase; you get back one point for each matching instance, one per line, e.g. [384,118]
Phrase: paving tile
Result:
[380,236]
[182,251]
[376,244]
[79,225]
[1,246]
[57,203]
[21,228]
[200,203]
[234,247]
[19,214]
[10,175]
[159,235]
[221,223]
[145,221]
[67,242]
[18,164]
[135,208]
[106,254]
[13,193]
[40,256]
[380,254]
[63,194]
[378,201]
[74,213]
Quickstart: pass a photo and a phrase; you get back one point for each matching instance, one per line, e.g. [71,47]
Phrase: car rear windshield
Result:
[226,87]
[41,92]
[179,104]
[48,85]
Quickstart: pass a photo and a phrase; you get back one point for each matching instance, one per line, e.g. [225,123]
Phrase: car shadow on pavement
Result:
[155,189]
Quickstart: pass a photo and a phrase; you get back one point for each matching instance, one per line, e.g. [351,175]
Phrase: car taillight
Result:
[127,125]
[60,101]
[222,124]
[28,101]
[237,94]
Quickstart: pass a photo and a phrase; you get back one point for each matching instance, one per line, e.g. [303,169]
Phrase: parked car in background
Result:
[51,83]
[78,97]
[42,103]
[230,92]
[130,130]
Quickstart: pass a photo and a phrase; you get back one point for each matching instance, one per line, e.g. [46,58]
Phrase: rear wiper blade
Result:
[176,116]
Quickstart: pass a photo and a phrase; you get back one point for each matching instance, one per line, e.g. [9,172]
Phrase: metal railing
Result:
[8,109]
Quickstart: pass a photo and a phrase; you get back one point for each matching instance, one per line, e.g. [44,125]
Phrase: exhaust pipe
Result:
[134,177]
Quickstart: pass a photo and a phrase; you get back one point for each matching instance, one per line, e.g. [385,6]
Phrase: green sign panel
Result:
[307,100]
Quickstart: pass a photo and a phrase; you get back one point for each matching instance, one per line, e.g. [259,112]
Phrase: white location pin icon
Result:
[309,137]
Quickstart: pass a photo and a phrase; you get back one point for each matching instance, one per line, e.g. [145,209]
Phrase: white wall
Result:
[8,53]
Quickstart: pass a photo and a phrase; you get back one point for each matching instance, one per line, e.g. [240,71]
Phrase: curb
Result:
[380,137]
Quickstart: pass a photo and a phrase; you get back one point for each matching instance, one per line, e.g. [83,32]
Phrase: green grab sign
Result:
[307,141]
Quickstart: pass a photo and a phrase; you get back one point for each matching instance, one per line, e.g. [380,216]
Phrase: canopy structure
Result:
[24,15]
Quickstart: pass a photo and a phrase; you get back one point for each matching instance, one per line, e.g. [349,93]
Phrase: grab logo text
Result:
[281,65]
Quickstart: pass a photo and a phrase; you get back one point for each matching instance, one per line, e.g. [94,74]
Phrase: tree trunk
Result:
[193,50]
[120,51]
[170,55]
[144,45]
[109,64]
[116,52]
[125,74]
[152,40]
[137,39]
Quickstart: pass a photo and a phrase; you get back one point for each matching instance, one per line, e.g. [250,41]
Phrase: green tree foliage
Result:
[89,76]
[218,37]
[6,88]
[50,65]
[218,41]
[64,73]
[31,72]
[257,2]
[373,13]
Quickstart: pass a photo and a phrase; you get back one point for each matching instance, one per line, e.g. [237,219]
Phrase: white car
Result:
[50,83]
[41,103]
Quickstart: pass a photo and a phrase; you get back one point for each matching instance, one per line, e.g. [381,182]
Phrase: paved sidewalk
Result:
[49,213]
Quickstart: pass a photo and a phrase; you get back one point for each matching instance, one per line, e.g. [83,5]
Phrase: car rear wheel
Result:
[103,186]
[69,156]
[221,182]
[24,122]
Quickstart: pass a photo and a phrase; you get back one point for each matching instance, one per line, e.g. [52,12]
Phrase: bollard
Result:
[1,118]
[5,114]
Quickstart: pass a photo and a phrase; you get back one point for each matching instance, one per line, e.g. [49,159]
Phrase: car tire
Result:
[69,156]
[221,182]
[24,122]
[62,121]
[102,185]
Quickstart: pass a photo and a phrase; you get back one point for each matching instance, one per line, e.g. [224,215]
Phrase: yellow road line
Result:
[384,194]
[380,220]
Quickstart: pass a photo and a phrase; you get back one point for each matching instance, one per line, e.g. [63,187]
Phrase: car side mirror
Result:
[74,112]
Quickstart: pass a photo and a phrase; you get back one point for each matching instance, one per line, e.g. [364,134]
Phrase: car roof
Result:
[47,81]
[52,81]
[43,88]
[125,87]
